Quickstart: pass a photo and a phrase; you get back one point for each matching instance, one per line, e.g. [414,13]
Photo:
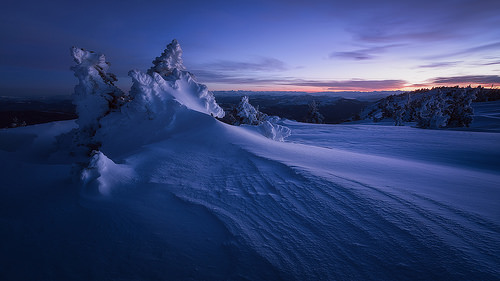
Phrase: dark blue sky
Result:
[257,45]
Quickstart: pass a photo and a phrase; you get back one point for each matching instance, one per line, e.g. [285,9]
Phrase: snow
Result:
[214,201]
[247,114]
[105,174]
[172,193]
[96,90]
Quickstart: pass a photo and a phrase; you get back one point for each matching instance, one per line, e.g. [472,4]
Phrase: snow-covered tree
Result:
[431,113]
[17,123]
[245,113]
[435,108]
[175,81]
[95,96]
[459,107]
[313,114]
[169,60]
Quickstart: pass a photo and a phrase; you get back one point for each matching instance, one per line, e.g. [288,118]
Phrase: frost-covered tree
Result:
[449,107]
[17,123]
[431,113]
[313,114]
[175,81]
[245,113]
[95,96]
[436,108]
[459,108]
[169,60]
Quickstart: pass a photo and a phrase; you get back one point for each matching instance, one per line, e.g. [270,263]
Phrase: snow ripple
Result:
[309,227]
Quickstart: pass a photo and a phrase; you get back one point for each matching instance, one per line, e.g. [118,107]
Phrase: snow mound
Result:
[102,174]
[274,131]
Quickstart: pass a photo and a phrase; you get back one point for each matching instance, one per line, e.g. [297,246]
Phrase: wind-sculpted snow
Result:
[106,112]
[221,202]
[102,173]
[274,131]
[314,213]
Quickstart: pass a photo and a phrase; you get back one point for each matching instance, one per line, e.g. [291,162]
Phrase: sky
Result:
[289,45]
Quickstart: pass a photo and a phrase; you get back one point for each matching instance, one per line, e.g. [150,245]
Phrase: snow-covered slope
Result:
[222,202]
[171,193]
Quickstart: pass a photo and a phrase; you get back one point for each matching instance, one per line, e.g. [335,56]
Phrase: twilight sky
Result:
[301,45]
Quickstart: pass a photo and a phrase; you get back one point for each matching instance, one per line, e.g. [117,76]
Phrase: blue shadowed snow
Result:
[217,202]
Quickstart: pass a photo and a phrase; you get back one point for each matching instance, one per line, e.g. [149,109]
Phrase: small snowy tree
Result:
[245,113]
[17,123]
[313,114]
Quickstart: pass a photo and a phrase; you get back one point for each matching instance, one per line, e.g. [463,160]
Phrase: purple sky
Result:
[298,45]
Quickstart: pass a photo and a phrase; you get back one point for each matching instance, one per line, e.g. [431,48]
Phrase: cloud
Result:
[355,84]
[440,64]
[356,55]
[487,47]
[333,85]
[469,79]
[363,54]
[231,78]
[262,64]
[342,85]
[415,22]
[489,63]
[377,36]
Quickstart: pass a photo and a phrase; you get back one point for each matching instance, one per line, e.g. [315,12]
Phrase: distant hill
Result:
[334,108]
[16,112]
